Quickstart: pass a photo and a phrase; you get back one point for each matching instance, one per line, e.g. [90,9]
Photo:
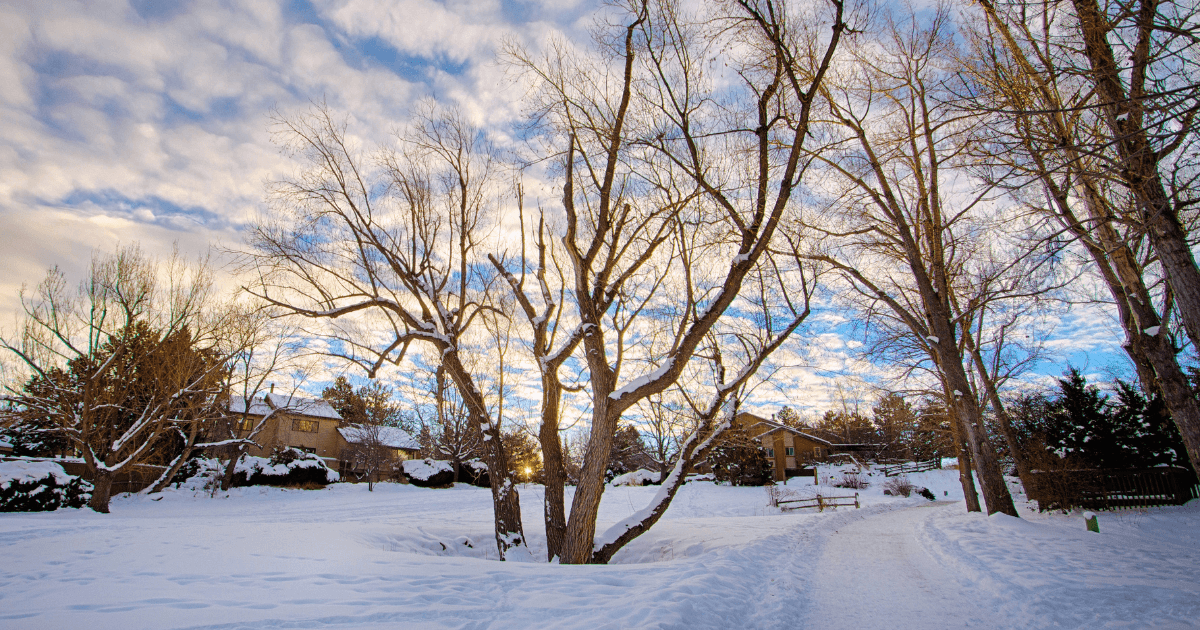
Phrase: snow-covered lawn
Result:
[721,558]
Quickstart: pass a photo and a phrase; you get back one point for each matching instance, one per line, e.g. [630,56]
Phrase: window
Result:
[247,424]
[770,452]
[790,451]
[305,426]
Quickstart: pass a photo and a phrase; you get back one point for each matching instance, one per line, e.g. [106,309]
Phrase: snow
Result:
[28,471]
[402,556]
[643,379]
[1153,330]
[262,405]
[639,477]
[5,443]
[933,338]
[391,437]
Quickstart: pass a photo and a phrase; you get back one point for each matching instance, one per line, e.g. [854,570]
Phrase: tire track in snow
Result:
[874,572]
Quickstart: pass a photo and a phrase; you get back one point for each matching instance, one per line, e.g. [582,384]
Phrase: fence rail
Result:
[1111,489]
[910,467]
[819,502]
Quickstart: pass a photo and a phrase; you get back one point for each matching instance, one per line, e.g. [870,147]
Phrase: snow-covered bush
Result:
[851,480]
[428,473]
[639,477]
[286,467]
[40,487]
[475,473]
[198,473]
[927,494]
[899,486]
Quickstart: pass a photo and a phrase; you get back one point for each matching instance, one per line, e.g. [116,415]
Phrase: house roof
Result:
[262,405]
[772,427]
[391,437]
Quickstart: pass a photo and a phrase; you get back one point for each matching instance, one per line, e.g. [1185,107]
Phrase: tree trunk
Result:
[964,465]
[1140,160]
[581,527]
[505,501]
[642,520]
[101,490]
[554,472]
[1002,417]
[230,468]
[962,400]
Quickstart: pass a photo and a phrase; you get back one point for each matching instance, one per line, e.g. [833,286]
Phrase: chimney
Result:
[272,388]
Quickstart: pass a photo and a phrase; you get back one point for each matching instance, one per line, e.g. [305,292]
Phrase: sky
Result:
[149,121]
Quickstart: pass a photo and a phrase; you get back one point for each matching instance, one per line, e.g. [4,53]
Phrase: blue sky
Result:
[147,120]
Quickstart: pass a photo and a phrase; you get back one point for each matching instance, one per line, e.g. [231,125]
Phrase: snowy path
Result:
[874,572]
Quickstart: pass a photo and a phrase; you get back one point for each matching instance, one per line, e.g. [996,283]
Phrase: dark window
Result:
[789,451]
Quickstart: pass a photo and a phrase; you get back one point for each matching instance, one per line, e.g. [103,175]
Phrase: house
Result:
[788,449]
[308,424]
[351,466]
[311,425]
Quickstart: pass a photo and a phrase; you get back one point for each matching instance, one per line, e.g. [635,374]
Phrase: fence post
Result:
[856,500]
[820,504]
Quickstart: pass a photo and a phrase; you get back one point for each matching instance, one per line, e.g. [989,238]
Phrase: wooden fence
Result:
[819,502]
[910,467]
[1111,489]
[133,478]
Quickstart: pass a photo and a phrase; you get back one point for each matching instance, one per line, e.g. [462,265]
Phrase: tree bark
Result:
[1140,160]
[970,496]
[553,469]
[101,490]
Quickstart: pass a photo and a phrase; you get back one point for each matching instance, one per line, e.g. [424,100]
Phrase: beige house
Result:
[788,449]
[311,425]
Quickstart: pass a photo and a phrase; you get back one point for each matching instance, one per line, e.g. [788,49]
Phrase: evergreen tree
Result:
[739,460]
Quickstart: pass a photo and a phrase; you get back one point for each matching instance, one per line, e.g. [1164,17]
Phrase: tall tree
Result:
[902,225]
[659,175]
[1091,110]
[387,253]
[130,360]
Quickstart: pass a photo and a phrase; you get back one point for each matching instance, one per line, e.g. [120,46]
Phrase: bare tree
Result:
[659,175]
[896,228]
[371,449]
[128,360]
[1054,128]
[385,254]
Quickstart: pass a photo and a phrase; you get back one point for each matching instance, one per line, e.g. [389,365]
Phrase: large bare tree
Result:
[125,363]
[902,225]
[674,187]
[1051,131]
[385,253]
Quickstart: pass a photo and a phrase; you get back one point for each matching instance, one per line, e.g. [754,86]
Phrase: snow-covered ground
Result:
[721,558]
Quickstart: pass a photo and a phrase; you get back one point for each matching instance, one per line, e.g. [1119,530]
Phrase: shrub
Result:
[286,467]
[898,486]
[40,487]
[428,473]
[927,494]
[851,480]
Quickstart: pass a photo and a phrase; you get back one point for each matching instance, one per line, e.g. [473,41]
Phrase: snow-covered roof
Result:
[262,405]
[391,437]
